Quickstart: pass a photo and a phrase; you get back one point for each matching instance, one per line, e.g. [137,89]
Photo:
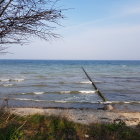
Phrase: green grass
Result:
[40,127]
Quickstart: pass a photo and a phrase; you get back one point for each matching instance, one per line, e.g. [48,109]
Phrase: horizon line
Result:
[77,59]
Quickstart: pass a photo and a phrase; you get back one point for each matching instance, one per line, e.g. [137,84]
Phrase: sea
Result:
[63,83]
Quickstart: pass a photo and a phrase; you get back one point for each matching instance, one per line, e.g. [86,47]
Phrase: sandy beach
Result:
[84,116]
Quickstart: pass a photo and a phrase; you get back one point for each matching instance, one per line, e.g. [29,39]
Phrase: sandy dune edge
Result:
[84,116]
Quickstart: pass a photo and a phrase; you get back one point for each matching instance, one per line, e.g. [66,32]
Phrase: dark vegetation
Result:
[39,127]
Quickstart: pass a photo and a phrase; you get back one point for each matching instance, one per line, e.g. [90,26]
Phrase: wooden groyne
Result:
[95,87]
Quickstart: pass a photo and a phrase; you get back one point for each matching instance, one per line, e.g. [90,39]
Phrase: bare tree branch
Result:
[6,6]
[21,19]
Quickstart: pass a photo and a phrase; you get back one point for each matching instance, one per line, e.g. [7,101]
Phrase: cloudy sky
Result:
[92,30]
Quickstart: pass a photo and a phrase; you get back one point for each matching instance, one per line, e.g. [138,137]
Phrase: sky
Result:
[92,30]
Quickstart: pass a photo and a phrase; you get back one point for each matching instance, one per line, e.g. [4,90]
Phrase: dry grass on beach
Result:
[52,127]
[84,116]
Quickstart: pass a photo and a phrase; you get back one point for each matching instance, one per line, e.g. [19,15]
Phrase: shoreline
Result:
[83,116]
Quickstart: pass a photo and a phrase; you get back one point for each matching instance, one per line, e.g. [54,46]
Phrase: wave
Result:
[50,101]
[30,93]
[23,99]
[83,102]
[65,92]
[86,82]
[38,93]
[7,85]
[120,102]
[87,92]
[9,80]
[89,82]
[74,92]
[58,92]
[4,80]
[61,101]
[24,93]
[17,80]
[96,102]
[82,82]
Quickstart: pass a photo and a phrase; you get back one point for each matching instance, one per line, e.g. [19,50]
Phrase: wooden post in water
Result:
[4,103]
[93,84]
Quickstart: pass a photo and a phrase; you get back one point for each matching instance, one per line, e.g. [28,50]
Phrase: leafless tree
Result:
[21,19]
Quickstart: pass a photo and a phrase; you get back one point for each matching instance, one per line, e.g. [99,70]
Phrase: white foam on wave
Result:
[69,101]
[87,92]
[22,99]
[7,85]
[26,99]
[65,92]
[89,82]
[120,102]
[85,82]
[57,101]
[24,93]
[38,93]
[4,80]
[17,80]
[9,80]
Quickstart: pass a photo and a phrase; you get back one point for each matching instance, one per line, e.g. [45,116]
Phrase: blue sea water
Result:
[62,83]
